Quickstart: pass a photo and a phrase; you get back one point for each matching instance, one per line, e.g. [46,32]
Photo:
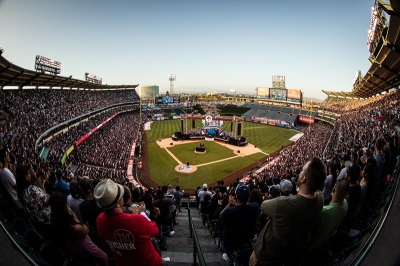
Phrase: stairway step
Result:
[182,257]
[180,245]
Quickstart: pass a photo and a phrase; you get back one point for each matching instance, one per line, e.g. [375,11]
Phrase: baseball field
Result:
[167,160]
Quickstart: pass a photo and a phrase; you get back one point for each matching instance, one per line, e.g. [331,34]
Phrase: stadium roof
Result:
[384,73]
[12,75]
[340,94]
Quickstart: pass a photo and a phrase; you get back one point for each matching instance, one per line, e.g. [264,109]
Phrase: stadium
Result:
[82,132]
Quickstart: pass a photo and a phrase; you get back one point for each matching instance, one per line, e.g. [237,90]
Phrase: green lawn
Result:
[162,165]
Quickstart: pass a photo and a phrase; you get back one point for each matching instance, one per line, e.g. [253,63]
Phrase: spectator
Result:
[74,199]
[368,173]
[197,197]
[330,182]
[286,187]
[221,187]
[290,218]
[72,233]
[178,197]
[128,235]
[331,216]
[89,209]
[136,195]
[380,162]
[129,206]
[169,195]
[345,164]
[205,209]
[256,196]
[202,192]
[237,221]
[164,204]
[8,181]
[354,195]
[216,201]
[33,197]
[148,201]
[61,185]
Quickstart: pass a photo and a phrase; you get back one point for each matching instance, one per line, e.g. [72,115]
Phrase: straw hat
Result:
[107,193]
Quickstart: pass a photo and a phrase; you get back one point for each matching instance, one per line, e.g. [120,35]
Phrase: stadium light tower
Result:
[93,78]
[171,78]
[44,64]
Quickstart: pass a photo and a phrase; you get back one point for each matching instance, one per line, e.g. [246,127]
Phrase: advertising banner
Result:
[266,121]
[294,94]
[70,149]
[306,119]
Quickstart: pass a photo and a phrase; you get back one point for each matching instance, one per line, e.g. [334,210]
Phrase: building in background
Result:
[149,92]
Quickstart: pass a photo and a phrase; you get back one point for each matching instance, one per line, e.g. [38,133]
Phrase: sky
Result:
[216,45]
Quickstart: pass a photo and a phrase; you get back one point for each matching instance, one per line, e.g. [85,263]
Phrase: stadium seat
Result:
[242,257]
[72,261]
[34,240]
[50,254]
[20,229]
[9,218]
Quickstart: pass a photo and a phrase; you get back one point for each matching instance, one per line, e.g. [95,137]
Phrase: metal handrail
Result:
[197,252]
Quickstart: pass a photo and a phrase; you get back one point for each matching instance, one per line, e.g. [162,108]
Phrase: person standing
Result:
[33,197]
[127,235]
[331,216]
[291,218]
[7,180]
[237,221]
[72,233]
[178,198]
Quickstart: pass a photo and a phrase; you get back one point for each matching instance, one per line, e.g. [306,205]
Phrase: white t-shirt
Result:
[8,180]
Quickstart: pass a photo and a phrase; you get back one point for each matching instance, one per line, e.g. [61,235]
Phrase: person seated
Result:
[331,216]
[237,221]
[72,233]
[129,236]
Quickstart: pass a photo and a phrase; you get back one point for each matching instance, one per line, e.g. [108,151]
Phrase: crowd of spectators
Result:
[363,145]
[358,154]
[111,145]
[59,143]
[347,105]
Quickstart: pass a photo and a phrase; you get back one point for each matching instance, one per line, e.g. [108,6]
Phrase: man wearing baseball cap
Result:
[237,221]
[128,235]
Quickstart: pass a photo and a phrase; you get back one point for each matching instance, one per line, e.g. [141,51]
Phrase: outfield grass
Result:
[162,165]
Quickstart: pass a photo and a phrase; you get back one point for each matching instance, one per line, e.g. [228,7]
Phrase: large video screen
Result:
[277,94]
[165,100]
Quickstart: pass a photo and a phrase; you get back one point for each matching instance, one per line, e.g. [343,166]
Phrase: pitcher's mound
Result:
[185,169]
